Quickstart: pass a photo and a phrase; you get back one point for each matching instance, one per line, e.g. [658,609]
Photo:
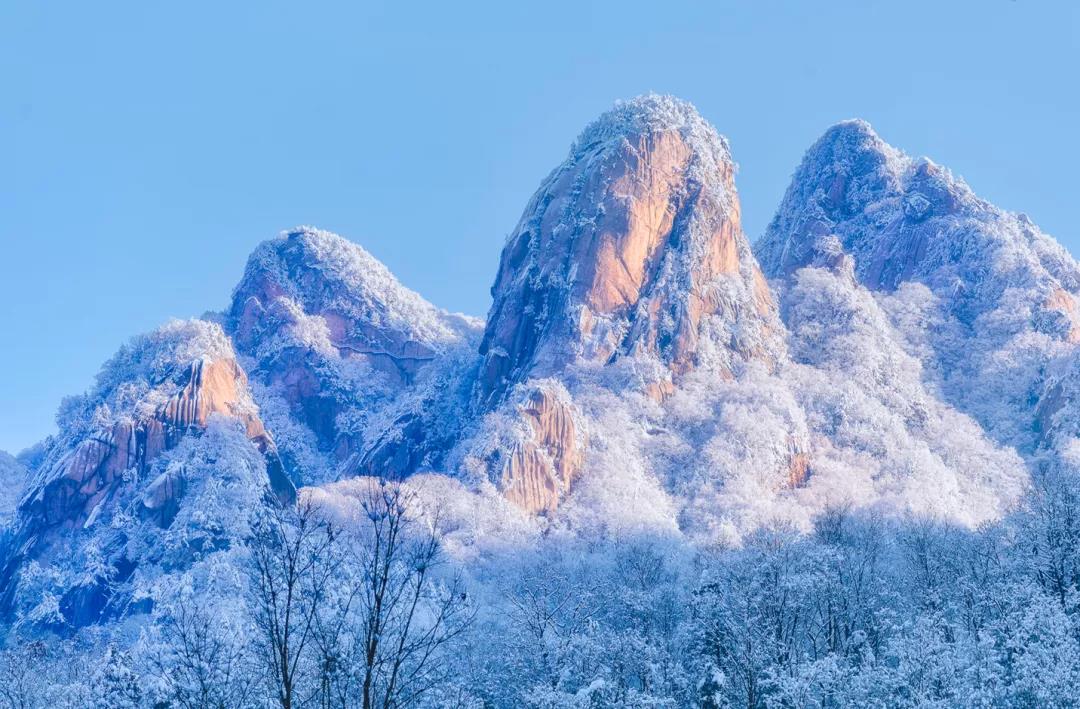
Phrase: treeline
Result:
[862,611]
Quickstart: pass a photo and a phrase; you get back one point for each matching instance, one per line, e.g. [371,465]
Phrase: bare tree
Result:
[356,614]
[549,607]
[21,671]
[407,612]
[294,558]
[199,664]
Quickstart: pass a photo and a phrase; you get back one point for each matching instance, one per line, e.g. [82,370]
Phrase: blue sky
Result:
[147,147]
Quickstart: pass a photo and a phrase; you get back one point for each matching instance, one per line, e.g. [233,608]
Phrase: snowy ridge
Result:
[352,282]
[904,218]
[983,298]
[650,478]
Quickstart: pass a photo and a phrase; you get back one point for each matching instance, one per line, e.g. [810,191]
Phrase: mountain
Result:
[155,449]
[632,245]
[912,355]
[338,348]
[631,250]
[986,301]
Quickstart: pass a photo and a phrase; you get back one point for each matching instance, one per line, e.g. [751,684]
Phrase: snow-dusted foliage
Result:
[865,396]
[319,271]
[652,479]
[13,479]
[129,556]
[984,299]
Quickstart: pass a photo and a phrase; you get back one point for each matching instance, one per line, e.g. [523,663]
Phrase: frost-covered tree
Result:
[200,662]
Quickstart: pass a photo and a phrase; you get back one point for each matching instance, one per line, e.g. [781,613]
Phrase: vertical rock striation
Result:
[632,246]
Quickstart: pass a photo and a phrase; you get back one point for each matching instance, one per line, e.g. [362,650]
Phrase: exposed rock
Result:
[798,469]
[632,245]
[539,468]
[1059,315]
[76,485]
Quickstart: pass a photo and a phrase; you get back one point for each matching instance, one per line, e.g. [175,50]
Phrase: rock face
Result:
[74,487]
[114,463]
[543,462]
[632,245]
[632,248]
[338,339]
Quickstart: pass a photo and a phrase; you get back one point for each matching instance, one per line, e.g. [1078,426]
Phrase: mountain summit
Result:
[987,300]
[632,245]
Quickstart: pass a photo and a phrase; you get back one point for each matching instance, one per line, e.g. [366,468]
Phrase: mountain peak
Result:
[323,272]
[628,247]
[648,114]
[849,130]
[900,218]
[331,331]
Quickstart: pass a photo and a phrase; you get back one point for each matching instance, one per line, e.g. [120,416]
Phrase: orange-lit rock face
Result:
[626,248]
[631,248]
[638,193]
[541,468]
[1061,303]
[798,469]
[96,466]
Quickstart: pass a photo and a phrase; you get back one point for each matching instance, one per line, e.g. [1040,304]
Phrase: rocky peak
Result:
[335,336]
[153,393]
[114,460]
[991,297]
[632,246]
[333,293]
[902,219]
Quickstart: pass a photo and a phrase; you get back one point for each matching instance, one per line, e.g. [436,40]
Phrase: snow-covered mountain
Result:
[912,355]
[983,299]
[338,349]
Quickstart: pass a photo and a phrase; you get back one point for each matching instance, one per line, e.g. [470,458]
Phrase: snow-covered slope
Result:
[162,459]
[12,481]
[637,374]
[980,296]
[338,349]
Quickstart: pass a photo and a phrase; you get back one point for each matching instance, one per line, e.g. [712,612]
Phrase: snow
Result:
[352,282]
[981,329]
[13,478]
[655,113]
[929,558]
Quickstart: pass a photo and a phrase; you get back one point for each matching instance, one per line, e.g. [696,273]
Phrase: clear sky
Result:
[146,147]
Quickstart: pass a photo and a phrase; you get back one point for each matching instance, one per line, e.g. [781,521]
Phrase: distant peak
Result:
[321,273]
[337,260]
